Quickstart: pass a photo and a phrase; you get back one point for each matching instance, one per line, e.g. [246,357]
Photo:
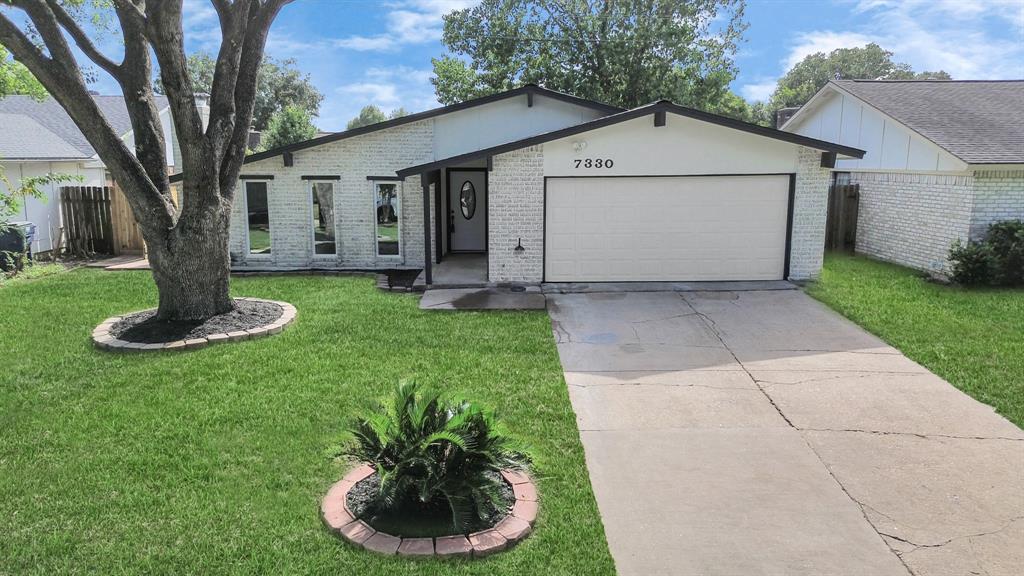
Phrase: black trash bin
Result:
[16,239]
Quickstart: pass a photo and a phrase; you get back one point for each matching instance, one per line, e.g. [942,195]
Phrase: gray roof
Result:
[978,121]
[59,136]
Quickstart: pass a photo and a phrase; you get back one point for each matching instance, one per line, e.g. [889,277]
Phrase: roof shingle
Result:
[51,116]
[978,121]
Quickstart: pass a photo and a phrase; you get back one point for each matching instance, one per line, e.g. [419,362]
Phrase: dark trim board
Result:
[328,177]
[255,176]
[791,197]
[384,179]
[789,226]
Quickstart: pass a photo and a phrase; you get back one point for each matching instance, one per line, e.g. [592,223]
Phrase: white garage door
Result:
[666,228]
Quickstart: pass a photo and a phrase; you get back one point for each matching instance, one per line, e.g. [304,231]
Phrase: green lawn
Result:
[972,338]
[214,461]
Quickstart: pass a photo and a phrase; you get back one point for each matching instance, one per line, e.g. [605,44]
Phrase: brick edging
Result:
[102,338]
[511,530]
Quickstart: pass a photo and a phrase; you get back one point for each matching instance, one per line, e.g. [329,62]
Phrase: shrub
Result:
[971,263]
[996,260]
[429,451]
[1006,240]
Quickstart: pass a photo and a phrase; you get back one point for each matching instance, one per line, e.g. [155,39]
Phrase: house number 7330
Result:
[594,162]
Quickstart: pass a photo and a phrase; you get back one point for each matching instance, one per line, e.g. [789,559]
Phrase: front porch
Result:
[457,271]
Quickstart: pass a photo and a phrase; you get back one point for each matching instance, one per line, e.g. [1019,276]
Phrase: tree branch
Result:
[88,48]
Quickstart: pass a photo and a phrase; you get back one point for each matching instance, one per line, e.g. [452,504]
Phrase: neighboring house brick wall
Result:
[810,203]
[998,195]
[912,219]
[516,210]
[375,154]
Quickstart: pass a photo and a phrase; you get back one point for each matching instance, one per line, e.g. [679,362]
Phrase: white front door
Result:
[467,210]
[666,228]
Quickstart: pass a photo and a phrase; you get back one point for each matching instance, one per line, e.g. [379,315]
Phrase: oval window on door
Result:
[467,200]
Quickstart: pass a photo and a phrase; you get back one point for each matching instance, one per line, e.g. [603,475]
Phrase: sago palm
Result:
[429,451]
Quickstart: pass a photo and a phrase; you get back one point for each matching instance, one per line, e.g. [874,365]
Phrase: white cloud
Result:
[386,88]
[951,35]
[408,22]
[823,41]
[758,91]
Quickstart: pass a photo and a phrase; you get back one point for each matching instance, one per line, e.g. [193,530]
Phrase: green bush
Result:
[998,260]
[1006,240]
[970,263]
[429,452]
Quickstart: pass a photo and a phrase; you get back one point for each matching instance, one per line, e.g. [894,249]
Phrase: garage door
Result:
[665,228]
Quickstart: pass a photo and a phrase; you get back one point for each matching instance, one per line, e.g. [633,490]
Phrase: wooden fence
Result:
[88,228]
[841,231]
[127,235]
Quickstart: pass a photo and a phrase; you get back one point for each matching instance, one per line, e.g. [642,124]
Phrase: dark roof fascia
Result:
[529,88]
[629,115]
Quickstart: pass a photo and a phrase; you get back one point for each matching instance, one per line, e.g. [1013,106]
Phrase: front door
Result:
[467,210]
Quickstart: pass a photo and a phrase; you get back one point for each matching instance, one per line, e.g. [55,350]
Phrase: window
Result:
[322,199]
[387,208]
[842,178]
[259,217]
[467,200]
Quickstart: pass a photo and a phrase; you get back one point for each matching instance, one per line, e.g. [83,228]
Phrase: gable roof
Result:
[526,89]
[662,106]
[52,117]
[15,144]
[978,121]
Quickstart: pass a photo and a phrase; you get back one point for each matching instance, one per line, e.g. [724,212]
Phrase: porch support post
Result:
[425,179]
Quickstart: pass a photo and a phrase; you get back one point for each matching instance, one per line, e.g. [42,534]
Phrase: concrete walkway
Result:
[759,433]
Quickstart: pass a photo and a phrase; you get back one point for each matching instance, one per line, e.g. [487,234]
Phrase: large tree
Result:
[371,114]
[279,84]
[623,52]
[869,62]
[288,126]
[188,247]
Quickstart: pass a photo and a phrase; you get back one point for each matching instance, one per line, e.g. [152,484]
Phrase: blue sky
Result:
[362,52]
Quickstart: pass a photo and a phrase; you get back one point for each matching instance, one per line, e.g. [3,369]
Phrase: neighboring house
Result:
[37,137]
[543,186]
[944,159]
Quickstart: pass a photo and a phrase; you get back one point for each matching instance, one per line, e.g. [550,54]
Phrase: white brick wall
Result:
[912,219]
[516,210]
[998,195]
[375,154]
[810,205]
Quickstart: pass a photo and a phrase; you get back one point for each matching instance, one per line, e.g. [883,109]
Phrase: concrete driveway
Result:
[746,433]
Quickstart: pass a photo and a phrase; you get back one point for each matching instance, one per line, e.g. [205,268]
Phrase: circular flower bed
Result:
[141,332]
[512,528]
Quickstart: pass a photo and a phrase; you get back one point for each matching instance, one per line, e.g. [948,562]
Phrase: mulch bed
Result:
[142,327]
[435,521]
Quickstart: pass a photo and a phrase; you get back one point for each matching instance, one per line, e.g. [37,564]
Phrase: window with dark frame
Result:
[322,200]
[258,215]
[388,211]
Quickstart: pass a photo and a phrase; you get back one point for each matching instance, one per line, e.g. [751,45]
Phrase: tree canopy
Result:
[16,79]
[279,85]
[372,115]
[622,52]
[288,126]
[870,62]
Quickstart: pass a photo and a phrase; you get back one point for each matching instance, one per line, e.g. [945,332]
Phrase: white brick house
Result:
[532,186]
[944,159]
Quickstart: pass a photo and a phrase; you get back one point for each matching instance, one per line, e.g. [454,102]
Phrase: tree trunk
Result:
[192,265]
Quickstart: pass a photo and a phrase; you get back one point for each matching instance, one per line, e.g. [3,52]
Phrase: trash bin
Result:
[17,239]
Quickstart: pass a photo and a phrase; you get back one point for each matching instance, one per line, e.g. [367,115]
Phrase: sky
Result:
[361,52]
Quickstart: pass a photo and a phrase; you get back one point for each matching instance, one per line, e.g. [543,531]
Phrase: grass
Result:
[974,338]
[214,461]
[32,271]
